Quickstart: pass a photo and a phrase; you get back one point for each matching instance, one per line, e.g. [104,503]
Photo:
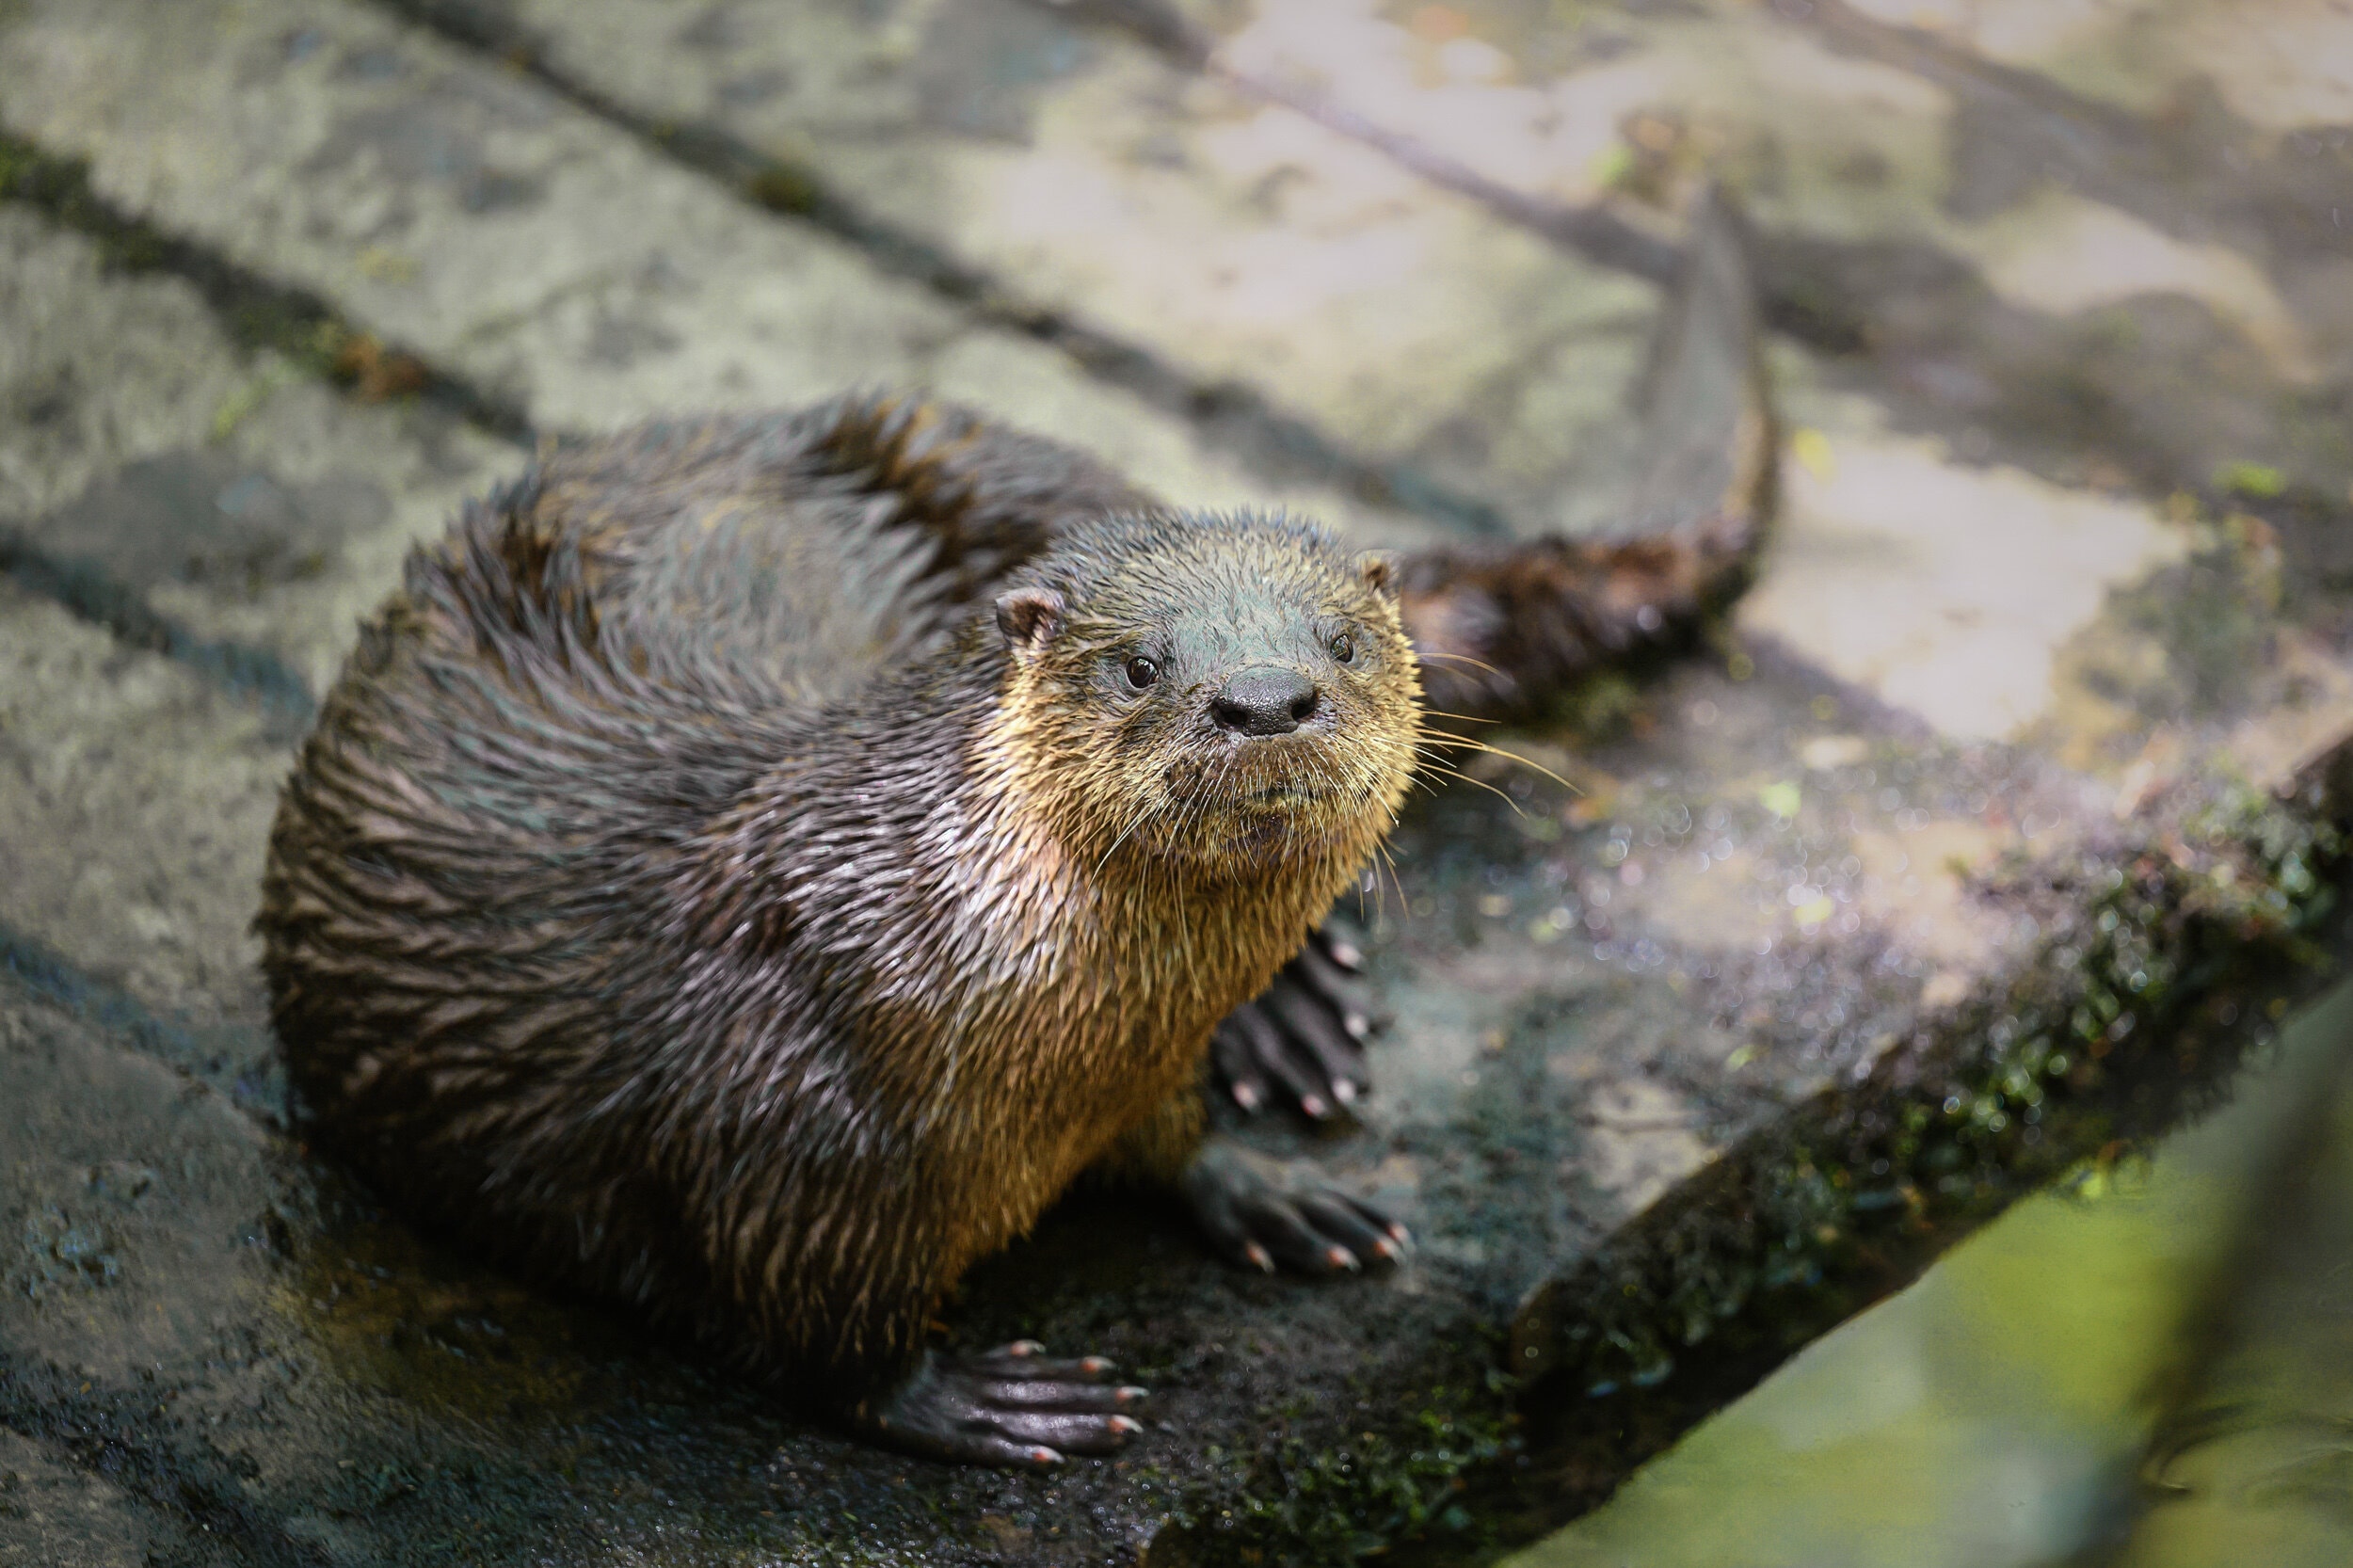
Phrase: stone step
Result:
[2099,246]
[1077,172]
[238,517]
[1814,969]
[472,216]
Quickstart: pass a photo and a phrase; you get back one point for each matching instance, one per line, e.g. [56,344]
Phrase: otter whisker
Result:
[1396,881]
[1194,809]
[1481,783]
[1213,790]
[1151,809]
[1465,742]
[1464,657]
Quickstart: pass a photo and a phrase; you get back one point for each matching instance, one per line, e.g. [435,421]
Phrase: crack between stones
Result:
[55,981]
[251,674]
[1231,417]
[89,1431]
[257,311]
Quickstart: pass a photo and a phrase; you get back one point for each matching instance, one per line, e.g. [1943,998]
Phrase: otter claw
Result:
[1304,1036]
[1261,1214]
[1010,1407]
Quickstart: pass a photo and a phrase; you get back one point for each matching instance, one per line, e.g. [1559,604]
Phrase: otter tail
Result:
[1503,629]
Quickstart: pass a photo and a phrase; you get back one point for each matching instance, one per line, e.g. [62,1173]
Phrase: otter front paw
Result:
[1012,1406]
[1259,1214]
[1304,1034]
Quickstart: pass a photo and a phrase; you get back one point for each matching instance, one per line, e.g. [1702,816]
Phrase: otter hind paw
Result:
[1260,1215]
[1303,1036]
[1013,1407]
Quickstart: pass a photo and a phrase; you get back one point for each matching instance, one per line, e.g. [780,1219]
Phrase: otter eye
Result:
[1344,648]
[1141,672]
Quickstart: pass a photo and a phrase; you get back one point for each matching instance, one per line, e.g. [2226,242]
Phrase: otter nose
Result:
[1264,701]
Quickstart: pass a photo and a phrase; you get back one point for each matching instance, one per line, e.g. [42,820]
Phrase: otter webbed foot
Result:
[1261,1214]
[1013,1407]
[1304,1034]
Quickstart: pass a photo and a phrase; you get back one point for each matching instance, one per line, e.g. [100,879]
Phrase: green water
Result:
[2125,1371]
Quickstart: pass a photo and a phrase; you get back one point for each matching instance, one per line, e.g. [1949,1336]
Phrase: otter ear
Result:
[1380,570]
[1030,618]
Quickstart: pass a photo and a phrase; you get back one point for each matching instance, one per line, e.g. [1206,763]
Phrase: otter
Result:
[754,865]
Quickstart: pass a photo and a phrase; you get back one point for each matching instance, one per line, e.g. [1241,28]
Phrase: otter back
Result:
[692,892]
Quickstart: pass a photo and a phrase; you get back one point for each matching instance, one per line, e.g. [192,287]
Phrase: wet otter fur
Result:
[754,865]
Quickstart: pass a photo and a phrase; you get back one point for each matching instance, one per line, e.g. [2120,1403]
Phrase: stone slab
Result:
[1083,173]
[2097,242]
[465,213]
[1655,1039]
[2276,62]
[229,491]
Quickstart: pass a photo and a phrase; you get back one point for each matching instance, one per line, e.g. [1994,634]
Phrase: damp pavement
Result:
[1991,829]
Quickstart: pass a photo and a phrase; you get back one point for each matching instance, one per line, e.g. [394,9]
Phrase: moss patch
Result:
[1298,1504]
[2159,957]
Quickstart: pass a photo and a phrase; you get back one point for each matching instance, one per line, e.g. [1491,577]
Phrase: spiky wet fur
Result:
[689,892]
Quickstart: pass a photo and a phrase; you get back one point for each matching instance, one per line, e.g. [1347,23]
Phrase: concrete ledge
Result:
[1990,833]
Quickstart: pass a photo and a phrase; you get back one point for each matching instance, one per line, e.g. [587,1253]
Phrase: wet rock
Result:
[1784,965]
[469,215]
[1239,244]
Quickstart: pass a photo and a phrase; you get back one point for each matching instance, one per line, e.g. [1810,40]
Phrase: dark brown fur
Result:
[1504,629]
[692,892]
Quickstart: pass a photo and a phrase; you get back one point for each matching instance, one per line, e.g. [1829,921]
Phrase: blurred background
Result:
[2145,1366]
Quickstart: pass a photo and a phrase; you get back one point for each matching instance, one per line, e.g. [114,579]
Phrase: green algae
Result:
[2157,957]
[1296,1504]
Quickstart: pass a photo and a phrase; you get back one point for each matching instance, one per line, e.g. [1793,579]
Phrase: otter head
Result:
[1228,692]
